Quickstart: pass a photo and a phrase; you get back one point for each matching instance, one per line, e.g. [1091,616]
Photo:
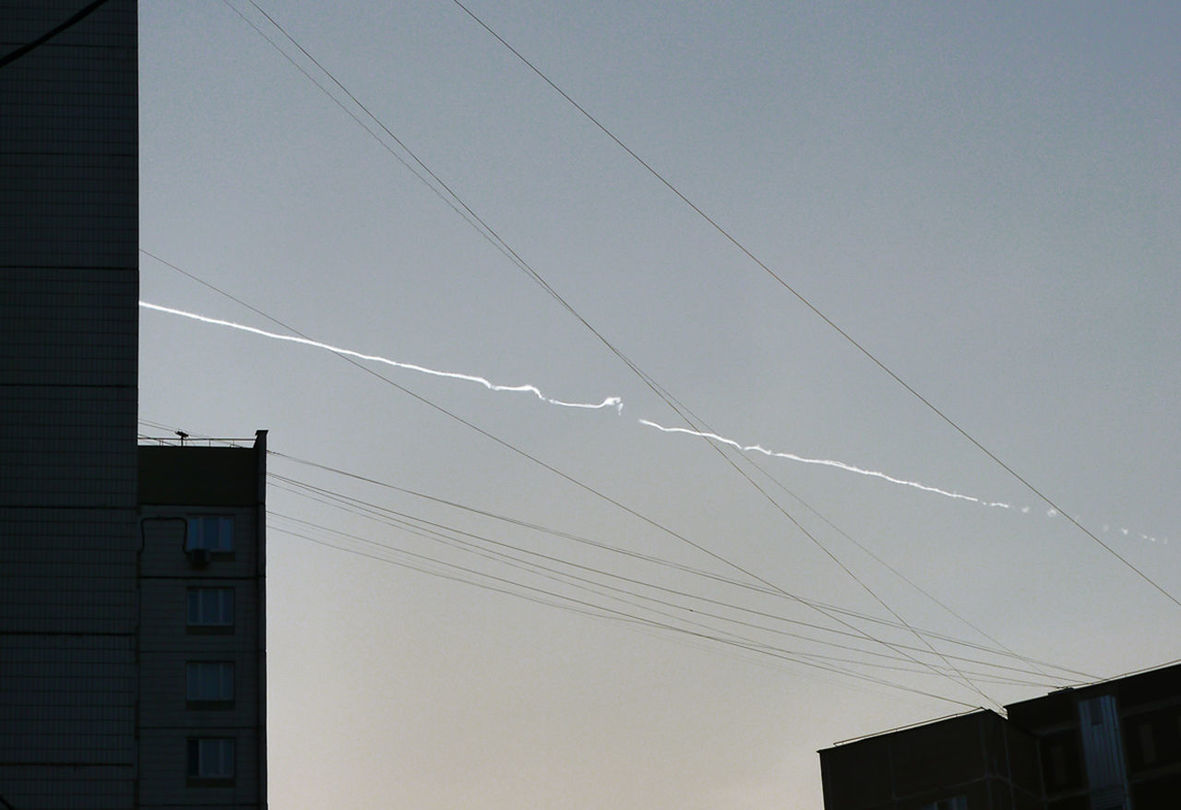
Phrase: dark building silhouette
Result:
[1114,745]
[201,719]
[68,364]
[976,761]
[99,654]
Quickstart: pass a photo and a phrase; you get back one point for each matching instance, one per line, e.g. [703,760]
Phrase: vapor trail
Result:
[824,462]
[615,403]
[609,402]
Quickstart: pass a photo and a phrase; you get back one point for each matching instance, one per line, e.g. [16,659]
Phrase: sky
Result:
[492,601]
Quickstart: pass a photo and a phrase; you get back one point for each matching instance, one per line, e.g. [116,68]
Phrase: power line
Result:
[480,227]
[504,443]
[436,530]
[592,609]
[807,303]
[472,218]
[491,235]
[714,633]
[379,513]
[68,23]
[618,504]
[947,608]
[778,590]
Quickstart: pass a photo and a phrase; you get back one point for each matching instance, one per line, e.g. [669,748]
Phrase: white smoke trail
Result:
[840,465]
[609,402]
[617,404]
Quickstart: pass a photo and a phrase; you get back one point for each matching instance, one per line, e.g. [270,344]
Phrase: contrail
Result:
[609,402]
[616,403]
[840,465]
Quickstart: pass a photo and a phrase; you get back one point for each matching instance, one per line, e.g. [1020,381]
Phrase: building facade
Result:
[1110,745]
[975,761]
[1114,745]
[69,223]
[201,724]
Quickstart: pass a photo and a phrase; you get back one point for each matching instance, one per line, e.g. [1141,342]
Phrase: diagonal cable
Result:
[524,265]
[815,310]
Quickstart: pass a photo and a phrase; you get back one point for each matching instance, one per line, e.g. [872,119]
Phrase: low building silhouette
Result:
[201,690]
[1112,745]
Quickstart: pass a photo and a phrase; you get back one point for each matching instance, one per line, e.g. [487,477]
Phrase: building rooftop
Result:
[176,472]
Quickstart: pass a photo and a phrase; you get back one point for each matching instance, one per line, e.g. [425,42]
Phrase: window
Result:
[211,758]
[211,607]
[209,681]
[214,533]
[1146,737]
[1062,760]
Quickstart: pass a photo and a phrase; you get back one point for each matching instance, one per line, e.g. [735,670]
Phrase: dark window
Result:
[1147,743]
[1057,764]
[1062,761]
[211,758]
[211,607]
[1153,740]
[214,533]
[209,682]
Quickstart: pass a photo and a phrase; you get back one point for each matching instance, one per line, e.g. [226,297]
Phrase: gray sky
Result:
[986,198]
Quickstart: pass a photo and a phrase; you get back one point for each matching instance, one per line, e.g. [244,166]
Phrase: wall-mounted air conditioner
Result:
[199,557]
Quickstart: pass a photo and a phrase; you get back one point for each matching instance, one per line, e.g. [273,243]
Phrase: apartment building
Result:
[201,719]
[68,377]
[1112,745]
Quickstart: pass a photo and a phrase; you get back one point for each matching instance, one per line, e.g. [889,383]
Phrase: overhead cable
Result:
[66,24]
[618,504]
[725,233]
[502,552]
[487,230]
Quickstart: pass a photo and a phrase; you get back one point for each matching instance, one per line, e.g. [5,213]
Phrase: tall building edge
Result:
[260,449]
[69,222]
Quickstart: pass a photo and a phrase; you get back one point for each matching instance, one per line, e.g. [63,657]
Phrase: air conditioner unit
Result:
[199,557]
